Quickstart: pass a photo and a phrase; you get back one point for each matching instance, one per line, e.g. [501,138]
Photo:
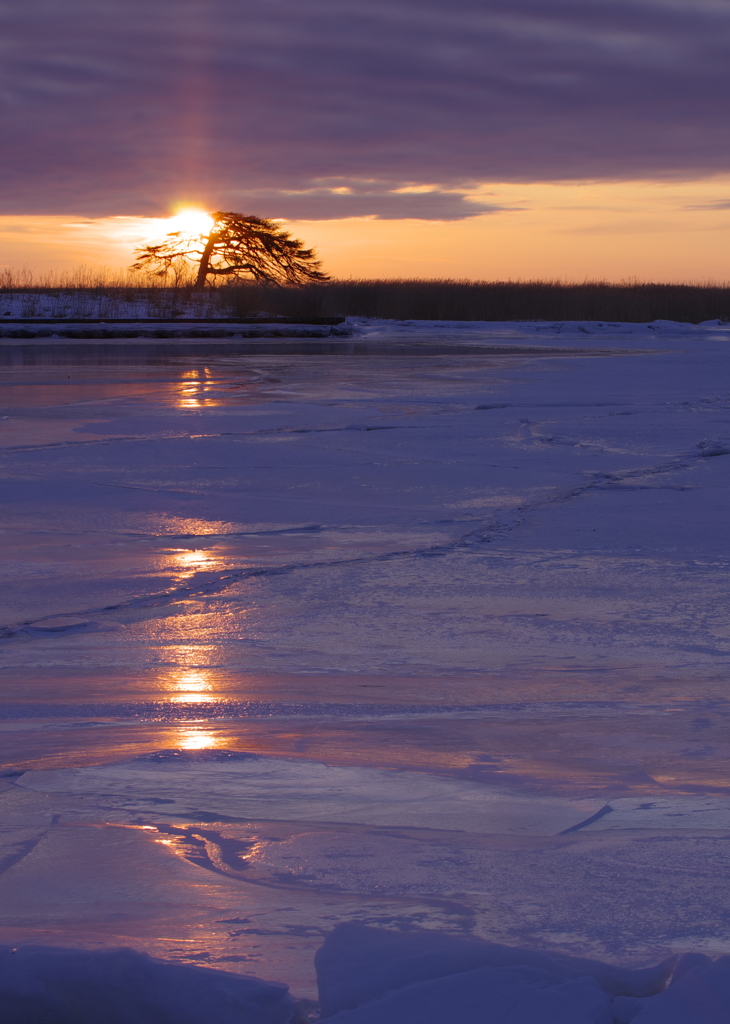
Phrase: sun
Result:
[190,222]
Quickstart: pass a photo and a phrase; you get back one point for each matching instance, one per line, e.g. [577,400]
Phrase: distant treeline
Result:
[86,295]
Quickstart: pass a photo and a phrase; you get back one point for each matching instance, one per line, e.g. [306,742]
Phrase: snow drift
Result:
[46,985]
[366,976]
[371,976]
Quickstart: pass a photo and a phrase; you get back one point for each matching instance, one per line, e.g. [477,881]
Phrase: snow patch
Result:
[47,985]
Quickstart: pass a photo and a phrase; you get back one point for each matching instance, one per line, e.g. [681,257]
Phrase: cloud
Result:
[384,200]
[126,106]
[720,204]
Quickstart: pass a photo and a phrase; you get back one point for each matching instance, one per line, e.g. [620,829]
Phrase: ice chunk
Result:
[700,996]
[664,812]
[710,447]
[688,962]
[514,995]
[357,964]
[625,1009]
[47,985]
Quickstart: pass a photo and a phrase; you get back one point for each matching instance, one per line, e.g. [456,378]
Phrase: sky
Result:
[469,138]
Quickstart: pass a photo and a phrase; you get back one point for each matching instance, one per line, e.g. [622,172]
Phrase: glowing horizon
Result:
[601,230]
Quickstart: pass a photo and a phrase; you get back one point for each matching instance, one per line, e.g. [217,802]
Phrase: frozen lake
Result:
[435,635]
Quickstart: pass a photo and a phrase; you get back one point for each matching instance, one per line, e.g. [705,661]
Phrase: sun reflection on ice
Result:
[186,558]
[186,563]
[192,389]
[198,739]
[192,686]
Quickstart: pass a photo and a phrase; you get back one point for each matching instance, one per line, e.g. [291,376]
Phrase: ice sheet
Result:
[467,610]
[268,788]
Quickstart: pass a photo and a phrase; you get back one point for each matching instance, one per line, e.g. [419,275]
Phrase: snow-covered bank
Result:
[366,976]
[131,301]
[584,333]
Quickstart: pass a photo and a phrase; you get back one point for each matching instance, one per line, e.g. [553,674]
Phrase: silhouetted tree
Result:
[238,246]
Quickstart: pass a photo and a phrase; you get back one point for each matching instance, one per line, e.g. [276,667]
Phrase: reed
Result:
[487,300]
[93,293]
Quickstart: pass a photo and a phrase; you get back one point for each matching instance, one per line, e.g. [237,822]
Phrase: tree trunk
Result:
[204,265]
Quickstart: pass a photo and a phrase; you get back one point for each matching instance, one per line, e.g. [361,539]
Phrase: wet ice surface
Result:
[435,642]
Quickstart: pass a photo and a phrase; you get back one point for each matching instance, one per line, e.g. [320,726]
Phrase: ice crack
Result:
[483,533]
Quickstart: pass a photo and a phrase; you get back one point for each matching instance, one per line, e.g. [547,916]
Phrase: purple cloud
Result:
[346,198]
[124,106]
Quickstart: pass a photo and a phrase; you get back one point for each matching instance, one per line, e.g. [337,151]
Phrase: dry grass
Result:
[486,300]
[91,293]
